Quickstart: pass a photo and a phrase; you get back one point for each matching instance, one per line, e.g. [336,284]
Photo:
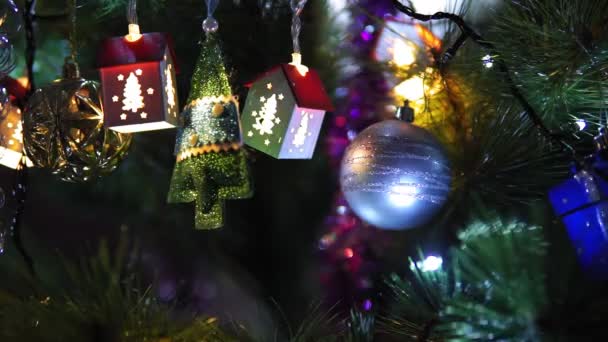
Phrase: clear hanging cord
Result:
[132,12]
[70,67]
[297,6]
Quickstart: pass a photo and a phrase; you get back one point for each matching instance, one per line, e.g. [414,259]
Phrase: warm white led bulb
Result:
[296,60]
[411,89]
[134,33]
[487,60]
[404,53]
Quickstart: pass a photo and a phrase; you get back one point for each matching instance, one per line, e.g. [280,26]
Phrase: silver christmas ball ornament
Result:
[395,175]
[210,25]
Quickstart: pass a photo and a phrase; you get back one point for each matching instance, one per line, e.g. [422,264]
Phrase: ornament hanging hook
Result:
[72,35]
[134,32]
[70,67]
[297,6]
[210,24]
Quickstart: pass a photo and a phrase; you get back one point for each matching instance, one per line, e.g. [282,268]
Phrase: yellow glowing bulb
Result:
[134,33]
[428,37]
[411,89]
[24,82]
[297,62]
[404,53]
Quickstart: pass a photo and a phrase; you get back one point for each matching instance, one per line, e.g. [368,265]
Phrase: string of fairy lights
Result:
[282,116]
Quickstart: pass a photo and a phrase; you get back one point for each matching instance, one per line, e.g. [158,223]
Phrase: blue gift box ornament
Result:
[582,204]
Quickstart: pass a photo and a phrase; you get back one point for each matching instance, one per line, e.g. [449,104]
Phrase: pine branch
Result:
[500,266]
[497,291]
[102,302]
[360,327]
[320,325]
[504,161]
[495,150]
[557,51]
[418,302]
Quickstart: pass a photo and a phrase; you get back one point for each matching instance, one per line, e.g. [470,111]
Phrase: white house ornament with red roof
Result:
[138,82]
[284,111]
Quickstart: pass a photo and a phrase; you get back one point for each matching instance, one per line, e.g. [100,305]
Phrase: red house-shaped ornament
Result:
[284,112]
[138,83]
[11,128]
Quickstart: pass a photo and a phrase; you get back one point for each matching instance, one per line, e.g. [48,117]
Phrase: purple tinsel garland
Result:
[349,267]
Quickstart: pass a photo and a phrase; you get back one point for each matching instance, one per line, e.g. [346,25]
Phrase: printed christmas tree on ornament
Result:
[265,121]
[170,88]
[302,133]
[133,101]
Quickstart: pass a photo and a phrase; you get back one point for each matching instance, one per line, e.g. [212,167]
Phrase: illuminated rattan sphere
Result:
[63,130]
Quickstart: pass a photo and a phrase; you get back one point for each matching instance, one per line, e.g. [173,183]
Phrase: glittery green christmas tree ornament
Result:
[211,166]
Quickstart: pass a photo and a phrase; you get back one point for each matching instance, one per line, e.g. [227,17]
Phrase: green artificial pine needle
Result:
[103,301]
[210,77]
[497,291]
[319,325]
[495,150]
[360,327]
[417,303]
[499,267]
[557,50]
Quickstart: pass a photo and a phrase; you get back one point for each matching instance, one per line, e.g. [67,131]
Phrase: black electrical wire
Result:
[21,181]
[468,32]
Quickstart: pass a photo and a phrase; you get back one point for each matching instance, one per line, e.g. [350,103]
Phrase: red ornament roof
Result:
[308,89]
[149,48]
